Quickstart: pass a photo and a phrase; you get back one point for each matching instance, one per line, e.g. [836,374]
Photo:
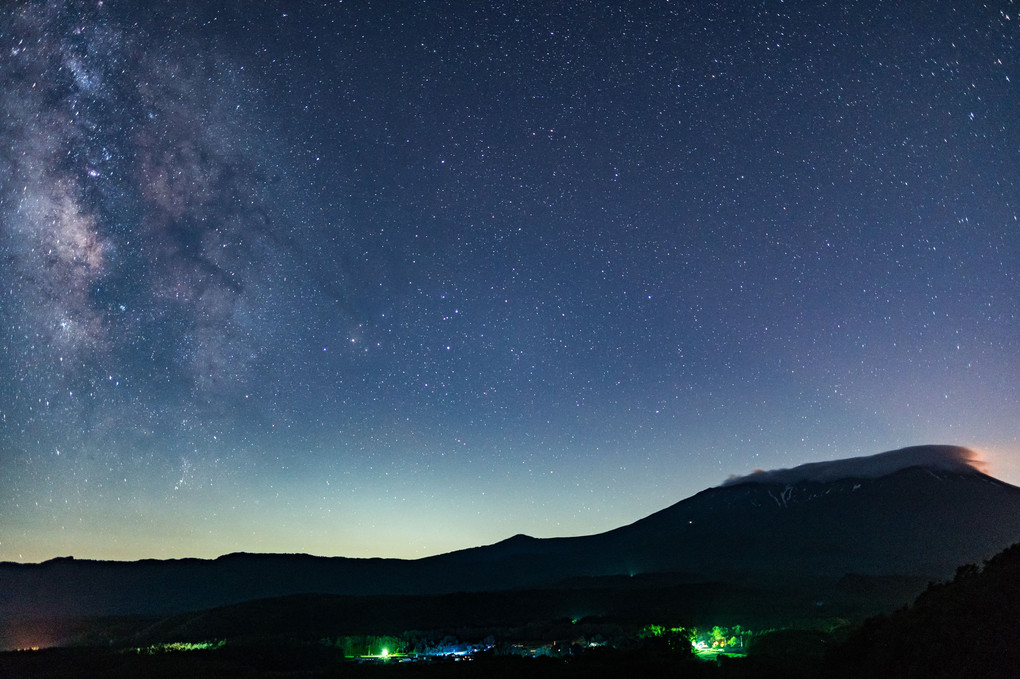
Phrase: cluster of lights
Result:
[178,646]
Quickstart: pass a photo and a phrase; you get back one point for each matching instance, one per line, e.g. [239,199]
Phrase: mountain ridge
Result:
[932,457]
[920,521]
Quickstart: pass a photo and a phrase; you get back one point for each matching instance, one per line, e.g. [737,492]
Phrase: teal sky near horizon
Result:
[398,278]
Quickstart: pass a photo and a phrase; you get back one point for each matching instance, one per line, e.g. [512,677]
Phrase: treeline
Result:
[968,627]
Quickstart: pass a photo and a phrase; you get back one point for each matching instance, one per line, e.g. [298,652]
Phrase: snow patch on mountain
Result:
[931,457]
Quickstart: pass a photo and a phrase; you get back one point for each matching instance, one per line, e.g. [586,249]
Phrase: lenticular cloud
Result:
[942,458]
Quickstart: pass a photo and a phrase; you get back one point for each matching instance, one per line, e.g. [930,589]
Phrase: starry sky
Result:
[396,278]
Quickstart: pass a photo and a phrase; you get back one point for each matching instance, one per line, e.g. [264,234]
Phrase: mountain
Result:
[924,516]
[918,511]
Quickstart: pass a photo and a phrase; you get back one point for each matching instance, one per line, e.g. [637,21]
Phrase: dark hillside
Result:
[969,627]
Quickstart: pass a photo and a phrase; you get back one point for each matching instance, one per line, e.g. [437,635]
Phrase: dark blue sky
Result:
[396,278]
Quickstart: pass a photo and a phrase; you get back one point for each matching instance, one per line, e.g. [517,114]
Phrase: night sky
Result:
[398,278]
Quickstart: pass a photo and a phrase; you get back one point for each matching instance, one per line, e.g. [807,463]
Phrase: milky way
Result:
[396,279]
[136,222]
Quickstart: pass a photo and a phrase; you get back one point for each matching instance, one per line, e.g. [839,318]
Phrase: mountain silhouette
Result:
[919,511]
